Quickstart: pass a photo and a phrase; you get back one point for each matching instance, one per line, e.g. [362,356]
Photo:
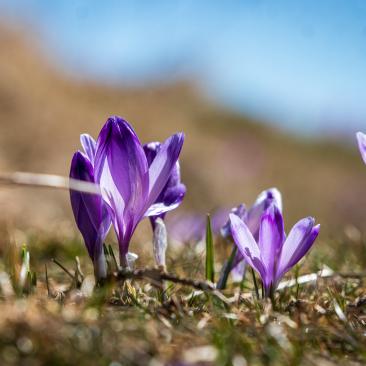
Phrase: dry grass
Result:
[135,323]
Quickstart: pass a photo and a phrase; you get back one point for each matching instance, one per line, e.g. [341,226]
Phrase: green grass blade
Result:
[210,271]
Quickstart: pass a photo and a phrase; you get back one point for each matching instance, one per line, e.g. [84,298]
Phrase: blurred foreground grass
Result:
[135,323]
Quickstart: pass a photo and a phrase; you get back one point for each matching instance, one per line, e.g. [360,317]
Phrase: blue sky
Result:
[298,64]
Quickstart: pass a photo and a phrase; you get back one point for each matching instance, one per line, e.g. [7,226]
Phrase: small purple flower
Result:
[361,139]
[173,191]
[272,255]
[186,228]
[90,212]
[129,186]
[252,218]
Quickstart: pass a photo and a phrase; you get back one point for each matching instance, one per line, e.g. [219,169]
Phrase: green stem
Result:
[255,284]
[272,297]
[226,269]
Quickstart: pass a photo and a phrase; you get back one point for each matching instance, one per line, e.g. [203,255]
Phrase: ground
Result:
[133,322]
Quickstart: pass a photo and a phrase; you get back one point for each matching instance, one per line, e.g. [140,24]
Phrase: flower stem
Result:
[272,297]
[226,269]
[255,284]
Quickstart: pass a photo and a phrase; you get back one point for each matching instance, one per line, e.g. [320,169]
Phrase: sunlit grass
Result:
[138,321]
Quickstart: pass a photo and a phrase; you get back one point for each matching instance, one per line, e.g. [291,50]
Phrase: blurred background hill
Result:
[275,101]
[227,158]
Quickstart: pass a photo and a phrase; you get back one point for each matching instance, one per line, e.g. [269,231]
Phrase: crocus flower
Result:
[173,191]
[129,186]
[252,218]
[272,255]
[361,139]
[91,214]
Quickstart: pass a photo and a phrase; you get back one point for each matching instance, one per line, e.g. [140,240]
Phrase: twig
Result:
[157,275]
[226,269]
[48,181]
[324,274]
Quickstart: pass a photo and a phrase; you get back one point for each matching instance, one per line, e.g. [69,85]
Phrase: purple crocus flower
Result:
[173,191]
[361,139]
[91,214]
[272,255]
[252,218]
[129,186]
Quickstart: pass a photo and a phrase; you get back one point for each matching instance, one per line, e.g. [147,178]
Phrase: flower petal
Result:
[271,237]
[173,192]
[162,166]
[89,146]
[122,172]
[151,149]
[297,244]
[246,244]
[263,201]
[361,139]
[90,213]
[173,198]
[239,211]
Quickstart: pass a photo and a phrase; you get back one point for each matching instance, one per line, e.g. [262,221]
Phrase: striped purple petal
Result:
[91,215]
[246,244]
[160,171]
[122,172]
[298,243]
[271,237]
[174,191]
[89,146]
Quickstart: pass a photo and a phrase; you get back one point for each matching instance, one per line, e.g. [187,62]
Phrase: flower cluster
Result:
[138,181]
[135,181]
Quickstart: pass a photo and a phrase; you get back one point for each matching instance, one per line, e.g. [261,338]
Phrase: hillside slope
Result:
[226,159]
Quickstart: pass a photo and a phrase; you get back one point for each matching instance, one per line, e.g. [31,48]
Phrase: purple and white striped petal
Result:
[160,171]
[173,192]
[263,201]
[271,237]
[239,211]
[122,173]
[297,244]
[91,215]
[89,146]
[246,244]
